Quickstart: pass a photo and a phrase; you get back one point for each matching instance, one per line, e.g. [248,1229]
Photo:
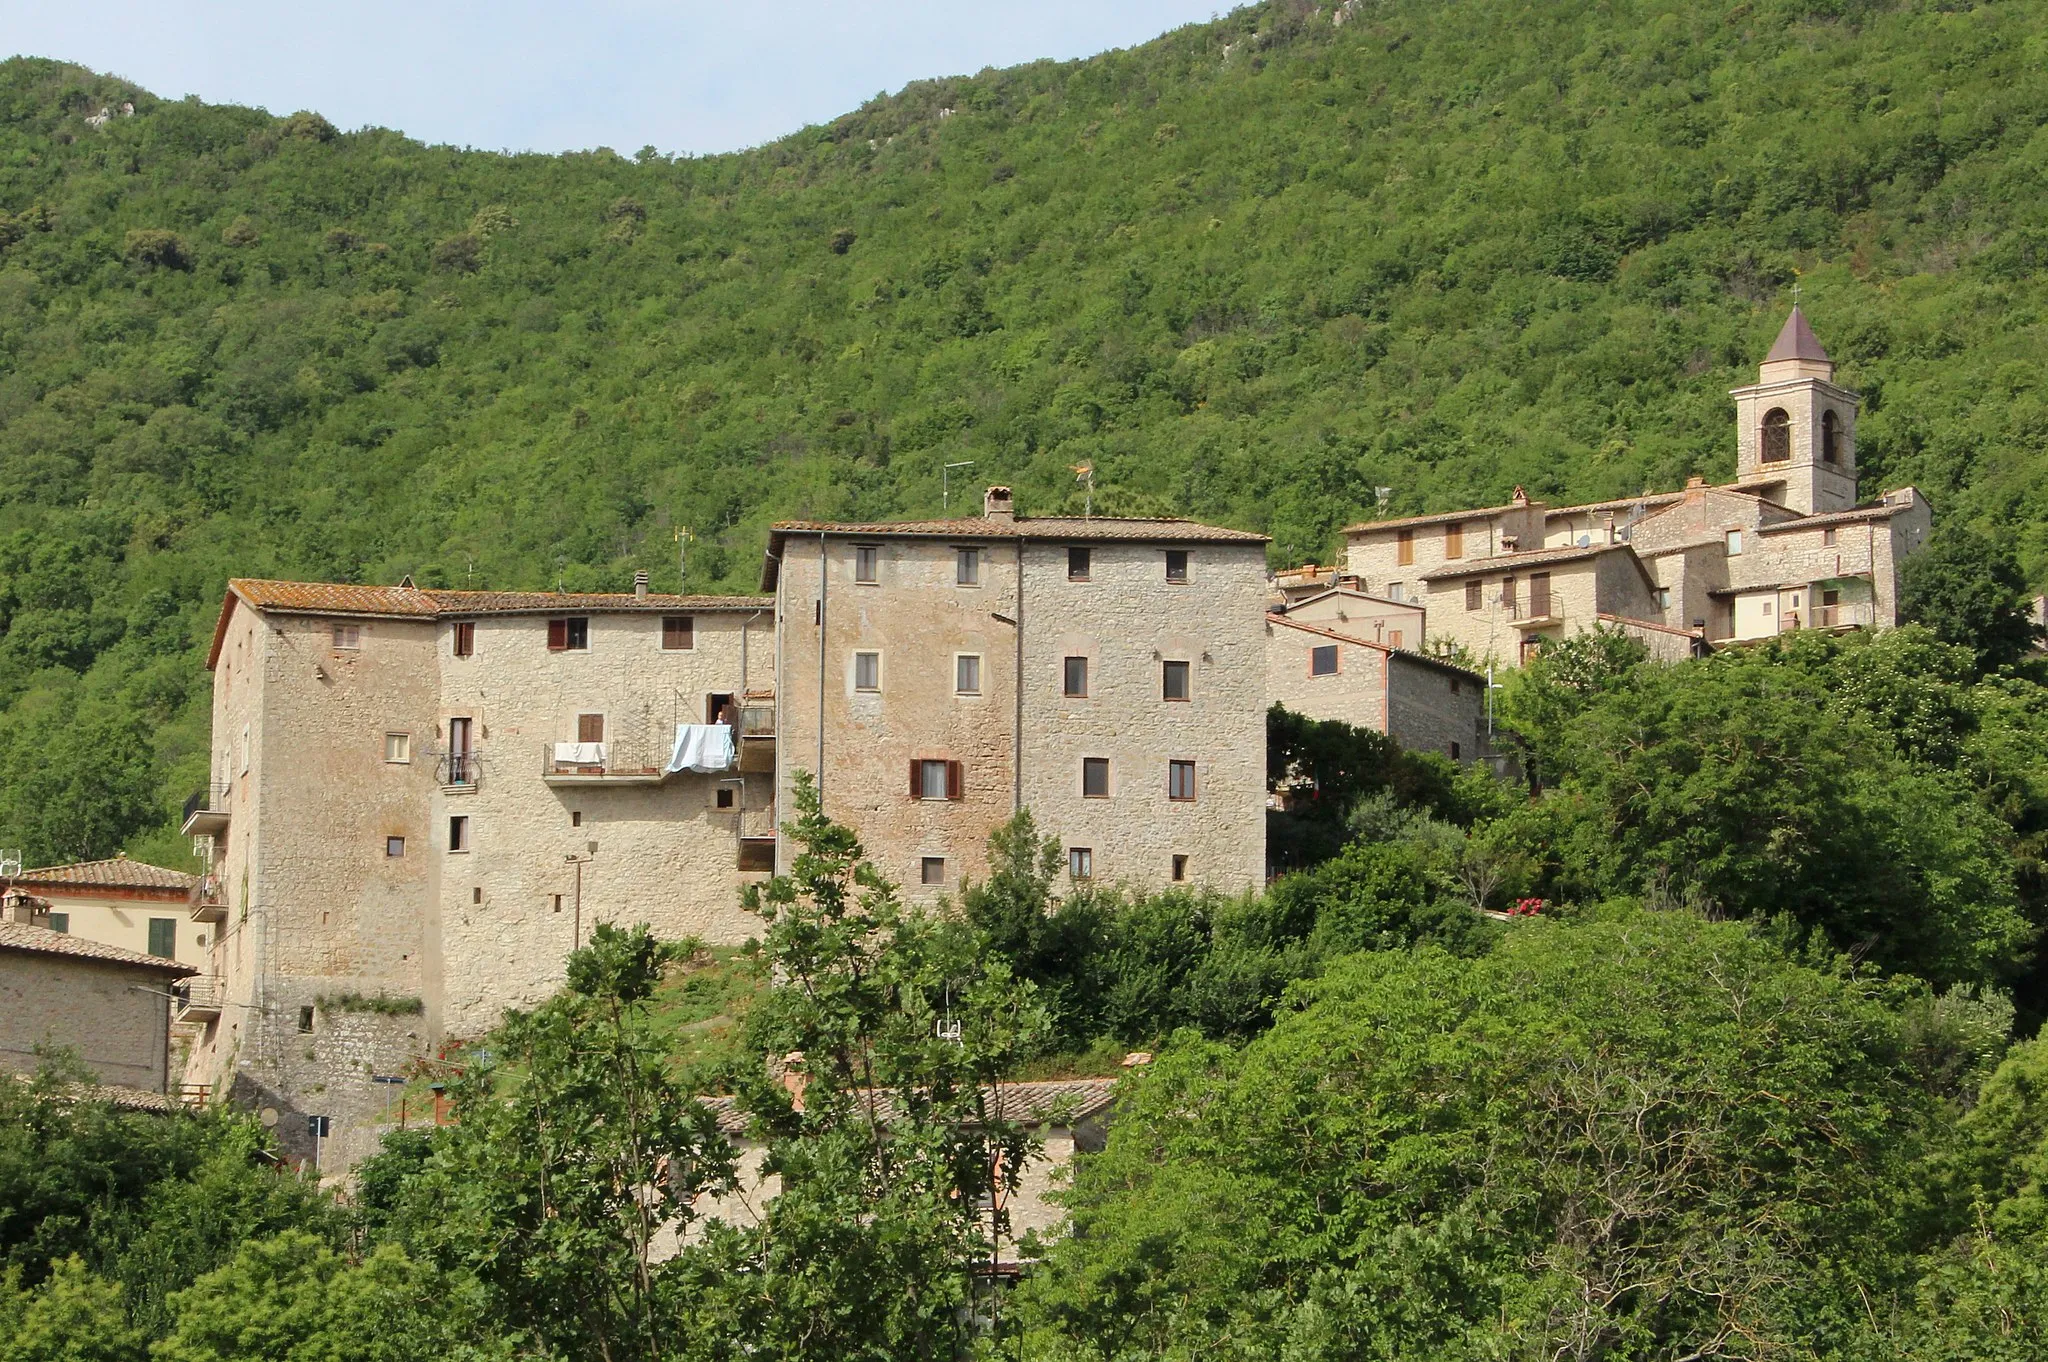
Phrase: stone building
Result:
[1785,546]
[1108,674]
[422,800]
[1421,702]
[111,1006]
[131,904]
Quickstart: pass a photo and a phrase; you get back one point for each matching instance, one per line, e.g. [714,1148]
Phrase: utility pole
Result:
[682,556]
[576,930]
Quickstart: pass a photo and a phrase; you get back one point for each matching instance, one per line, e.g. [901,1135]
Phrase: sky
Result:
[683,76]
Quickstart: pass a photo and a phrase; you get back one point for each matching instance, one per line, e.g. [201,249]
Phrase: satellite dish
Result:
[268,1116]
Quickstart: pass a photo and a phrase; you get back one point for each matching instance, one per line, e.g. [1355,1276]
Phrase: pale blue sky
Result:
[683,76]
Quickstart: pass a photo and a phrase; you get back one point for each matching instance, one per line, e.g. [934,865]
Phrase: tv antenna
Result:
[10,863]
[946,482]
[1381,496]
[1084,473]
[682,537]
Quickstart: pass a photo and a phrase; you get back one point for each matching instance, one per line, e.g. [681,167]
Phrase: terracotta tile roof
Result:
[1515,562]
[406,602]
[1064,1100]
[1353,593]
[127,1099]
[1880,511]
[1477,513]
[1273,617]
[19,936]
[1123,528]
[1646,500]
[118,873]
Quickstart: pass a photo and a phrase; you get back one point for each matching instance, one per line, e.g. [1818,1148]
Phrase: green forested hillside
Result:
[1250,272]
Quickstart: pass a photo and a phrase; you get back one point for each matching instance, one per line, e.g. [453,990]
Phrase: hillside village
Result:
[424,799]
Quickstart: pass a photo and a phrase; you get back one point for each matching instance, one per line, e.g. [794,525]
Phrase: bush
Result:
[154,249]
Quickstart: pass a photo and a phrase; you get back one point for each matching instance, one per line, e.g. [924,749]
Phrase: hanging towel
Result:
[579,754]
[702,747]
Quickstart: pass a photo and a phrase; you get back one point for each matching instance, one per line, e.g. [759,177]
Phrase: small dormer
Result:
[1796,428]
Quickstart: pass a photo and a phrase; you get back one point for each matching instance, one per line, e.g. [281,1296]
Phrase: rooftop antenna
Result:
[1085,473]
[1381,496]
[946,483]
[472,574]
[10,863]
[682,555]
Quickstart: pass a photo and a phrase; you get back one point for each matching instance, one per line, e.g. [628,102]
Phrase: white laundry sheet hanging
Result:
[702,747]
[579,754]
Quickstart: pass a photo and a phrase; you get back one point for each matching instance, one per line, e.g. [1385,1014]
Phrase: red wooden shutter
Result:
[465,638]
[558,635]
[916,782]
[955,779]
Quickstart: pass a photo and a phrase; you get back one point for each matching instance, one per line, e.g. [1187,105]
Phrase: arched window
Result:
[1830,438]
[1777,436]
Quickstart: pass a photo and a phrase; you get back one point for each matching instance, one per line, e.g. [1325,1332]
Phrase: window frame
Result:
[569,633]
[346,638]
[1067,691]
[1454,539]
[1180,775]
[952,780]
[1732,543]
[1081,863]
[1177,578]
[394,847]
[399,744]
[1178,868]
[1774,437]
[167,929]
[1081,556]
[458,834]
[931,870]
[683,627]
[966,565]
[464,641]
[1095,777]
[582,728]
[1187,681]
[960,662]
[1830,437]
[867,564]
[1315,656]
[1404,548]
[872,657]
[1475,594]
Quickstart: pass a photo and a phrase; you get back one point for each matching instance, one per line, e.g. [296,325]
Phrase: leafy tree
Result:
[574,1151]
[1967,587]
[1632,1138]
[876,1239]
[72,1317]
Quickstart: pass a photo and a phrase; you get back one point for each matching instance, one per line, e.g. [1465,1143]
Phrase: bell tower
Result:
[1795,429]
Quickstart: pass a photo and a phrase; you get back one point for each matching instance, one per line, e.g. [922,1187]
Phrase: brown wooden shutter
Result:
[465,638]
[678,632]
[1539,594]
[955,780]
[558,635]
[590,728]
[916,779]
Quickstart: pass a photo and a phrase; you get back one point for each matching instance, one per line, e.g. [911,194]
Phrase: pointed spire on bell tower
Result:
[1797,353]
[1795,428]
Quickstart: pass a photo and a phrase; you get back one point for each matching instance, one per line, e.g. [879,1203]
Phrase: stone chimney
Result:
[999,505]
[640,585]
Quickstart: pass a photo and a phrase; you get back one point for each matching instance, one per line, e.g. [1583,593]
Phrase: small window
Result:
[1827,539]
[1180,869]
[1180,781]
[1734,543]
[1173,680]
[306,1021]
[1455,687]
[1830,438]
[1393,638]
[575,818]
[1507,594]
[930,779]
[1397,591]
[1475,595]
[569,634]
[1456,752]
[757,853]
[867,671]
[1454,541]
[61,922]
[867,560]
[476,895]
[1075,682]
[967,567]
[348,636]
[1176,565]
[678,633]
[465,638]
[1095,777]
[1663,598]
[967,674]
[398,747]
[1078,563]
[1404,547]
[1777,436]
[1322,660]
[727,798]
[458,832]
[394,847]
[1081,862]
[932,870]
[163,937]
[558,903]
[590,728]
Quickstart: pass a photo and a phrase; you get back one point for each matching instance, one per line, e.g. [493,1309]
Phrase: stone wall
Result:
[1435,708]
[1356,694]
[115,1016]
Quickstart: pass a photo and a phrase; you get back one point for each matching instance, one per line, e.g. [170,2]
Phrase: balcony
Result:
[460,772]
[602,763]
[757,736]
[206,813]
[198,999]
[205,903]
